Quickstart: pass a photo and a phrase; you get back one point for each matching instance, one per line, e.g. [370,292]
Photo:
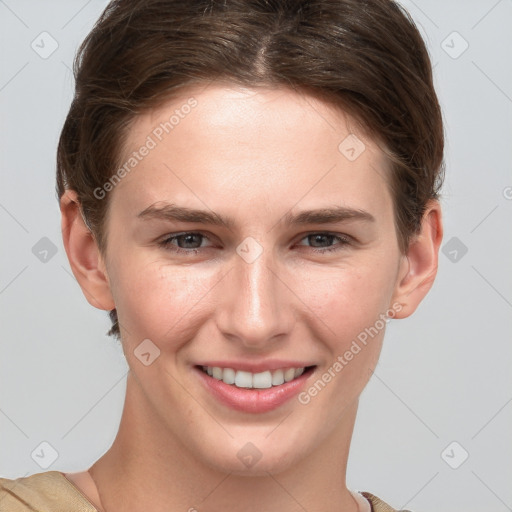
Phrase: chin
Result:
[274,464]
[252,458]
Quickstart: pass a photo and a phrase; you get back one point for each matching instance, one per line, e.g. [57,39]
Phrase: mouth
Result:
[249,380]
[253,392]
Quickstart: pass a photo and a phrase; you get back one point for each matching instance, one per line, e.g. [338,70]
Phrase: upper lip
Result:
[257,367]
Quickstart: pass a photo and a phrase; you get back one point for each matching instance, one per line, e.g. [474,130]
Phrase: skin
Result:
[254,155]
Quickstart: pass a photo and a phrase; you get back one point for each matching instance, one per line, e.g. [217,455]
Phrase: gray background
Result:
[444,374]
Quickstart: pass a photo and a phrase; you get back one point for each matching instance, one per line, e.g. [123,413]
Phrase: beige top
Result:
[51,491]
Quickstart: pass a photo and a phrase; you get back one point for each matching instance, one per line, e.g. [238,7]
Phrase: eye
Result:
[188,242]
[325,241]
[192,242]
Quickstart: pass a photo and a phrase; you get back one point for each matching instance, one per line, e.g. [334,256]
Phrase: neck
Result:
[148,468]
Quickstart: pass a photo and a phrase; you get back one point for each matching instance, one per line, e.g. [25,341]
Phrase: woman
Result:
[250,188]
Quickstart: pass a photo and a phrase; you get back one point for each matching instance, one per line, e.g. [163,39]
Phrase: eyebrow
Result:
[172,212]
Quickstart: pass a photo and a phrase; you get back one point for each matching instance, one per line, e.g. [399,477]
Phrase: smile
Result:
[249,380]
[253,392]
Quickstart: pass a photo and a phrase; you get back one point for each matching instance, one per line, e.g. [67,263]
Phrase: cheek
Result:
[348,300]
[347,306]
[159,302]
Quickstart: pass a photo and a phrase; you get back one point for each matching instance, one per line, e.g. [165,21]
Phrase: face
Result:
[251,236]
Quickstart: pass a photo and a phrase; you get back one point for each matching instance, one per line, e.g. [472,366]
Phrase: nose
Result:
[256,306]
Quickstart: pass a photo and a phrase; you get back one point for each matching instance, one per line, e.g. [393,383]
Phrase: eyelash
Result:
[167,243]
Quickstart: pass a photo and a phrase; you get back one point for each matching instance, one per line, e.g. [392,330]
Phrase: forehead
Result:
[258,143]
[260,110]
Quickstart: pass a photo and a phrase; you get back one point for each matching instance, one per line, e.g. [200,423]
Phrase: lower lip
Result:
[253,400]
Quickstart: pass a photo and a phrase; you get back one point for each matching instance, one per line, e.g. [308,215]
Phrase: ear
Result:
[83,254]
[419,266]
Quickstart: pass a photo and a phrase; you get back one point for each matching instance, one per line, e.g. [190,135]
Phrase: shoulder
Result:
[377,505]
[48,491]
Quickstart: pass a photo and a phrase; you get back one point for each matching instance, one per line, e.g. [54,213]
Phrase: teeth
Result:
[277,378]
[262,380]
[229,376]
[243,379]
[248,380]
[289,374]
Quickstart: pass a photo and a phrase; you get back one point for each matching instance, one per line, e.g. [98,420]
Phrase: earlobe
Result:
[83,254]
[419,266]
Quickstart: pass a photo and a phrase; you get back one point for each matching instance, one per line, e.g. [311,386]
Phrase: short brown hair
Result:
[365,56]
